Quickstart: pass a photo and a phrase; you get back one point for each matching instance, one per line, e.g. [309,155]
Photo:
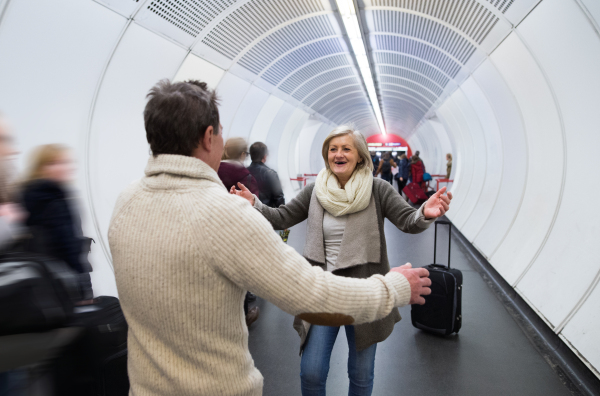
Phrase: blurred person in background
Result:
[375,159]
[53,216]
[448,165]
[385,167]
[10,213]
[403,172]
[269,186]
[417,158]
[417,170]
[346,208]
[232,171]
[12,383]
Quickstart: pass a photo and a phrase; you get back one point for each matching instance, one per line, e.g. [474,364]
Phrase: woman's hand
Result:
[437,205]
[244,193]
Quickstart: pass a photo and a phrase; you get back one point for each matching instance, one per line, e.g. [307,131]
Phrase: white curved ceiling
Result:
[420,51]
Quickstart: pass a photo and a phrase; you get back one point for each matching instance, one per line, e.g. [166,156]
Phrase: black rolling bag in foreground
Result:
[441,313]
[96,364]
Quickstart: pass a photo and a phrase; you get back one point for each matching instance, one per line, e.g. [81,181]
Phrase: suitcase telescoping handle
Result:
[449,240]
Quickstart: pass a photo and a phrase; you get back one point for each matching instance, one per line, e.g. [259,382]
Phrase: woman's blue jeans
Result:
[315,362]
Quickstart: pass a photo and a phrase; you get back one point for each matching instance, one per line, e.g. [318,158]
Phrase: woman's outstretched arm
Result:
[284,216]
[405,217]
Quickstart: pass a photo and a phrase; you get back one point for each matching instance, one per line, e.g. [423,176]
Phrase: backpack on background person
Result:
[386,166]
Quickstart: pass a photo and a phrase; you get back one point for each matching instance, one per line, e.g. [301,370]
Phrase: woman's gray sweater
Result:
[363,251]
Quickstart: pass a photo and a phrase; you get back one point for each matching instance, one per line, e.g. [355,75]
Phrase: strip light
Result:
[350,18]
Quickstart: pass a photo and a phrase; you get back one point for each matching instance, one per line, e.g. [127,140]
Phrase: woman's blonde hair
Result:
[41,157]
[449,156]
[359,142]
[234,148]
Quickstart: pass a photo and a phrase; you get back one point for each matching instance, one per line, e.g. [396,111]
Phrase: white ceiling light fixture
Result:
[350,18]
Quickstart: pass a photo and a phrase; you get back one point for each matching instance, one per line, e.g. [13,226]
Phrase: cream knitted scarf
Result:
[354,197]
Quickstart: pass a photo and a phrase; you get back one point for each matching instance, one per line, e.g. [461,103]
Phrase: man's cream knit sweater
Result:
[185,252]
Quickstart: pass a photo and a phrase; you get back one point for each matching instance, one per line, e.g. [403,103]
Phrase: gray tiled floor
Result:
[490,356]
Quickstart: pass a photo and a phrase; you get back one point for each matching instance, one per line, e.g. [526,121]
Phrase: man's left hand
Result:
[437,205]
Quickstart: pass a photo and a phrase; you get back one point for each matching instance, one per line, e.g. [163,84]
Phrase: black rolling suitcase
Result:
[441,313]
[97,363]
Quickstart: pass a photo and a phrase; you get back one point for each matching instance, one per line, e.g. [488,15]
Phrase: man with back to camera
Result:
[185,251]
[269,185]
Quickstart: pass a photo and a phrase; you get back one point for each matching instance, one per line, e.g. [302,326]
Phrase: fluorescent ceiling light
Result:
[350,18]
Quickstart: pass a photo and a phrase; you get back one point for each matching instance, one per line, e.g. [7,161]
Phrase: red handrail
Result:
[300,179]
[438,181]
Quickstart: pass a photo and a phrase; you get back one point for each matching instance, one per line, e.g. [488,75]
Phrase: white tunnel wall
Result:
[48,81]
[118,150]
[524,133]
[492,151]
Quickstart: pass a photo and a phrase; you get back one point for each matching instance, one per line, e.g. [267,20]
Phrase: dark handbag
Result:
[36,293]
[441,314]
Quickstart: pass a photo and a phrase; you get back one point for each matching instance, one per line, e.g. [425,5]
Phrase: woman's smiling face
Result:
[343,157]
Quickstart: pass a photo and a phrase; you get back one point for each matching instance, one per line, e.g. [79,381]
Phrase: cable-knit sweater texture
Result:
[185,251]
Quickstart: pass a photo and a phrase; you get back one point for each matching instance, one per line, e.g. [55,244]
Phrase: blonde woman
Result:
[53,217]
[448,165]
[346,208]
[232,169]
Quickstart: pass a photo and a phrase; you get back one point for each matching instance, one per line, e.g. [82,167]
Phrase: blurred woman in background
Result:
[52,213]
[448,165]
[231,172]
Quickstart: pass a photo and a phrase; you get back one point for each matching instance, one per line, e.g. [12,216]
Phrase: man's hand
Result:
[438,204]
[419,282]
[243,192]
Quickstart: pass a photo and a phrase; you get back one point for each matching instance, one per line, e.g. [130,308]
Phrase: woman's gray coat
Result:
[363,251]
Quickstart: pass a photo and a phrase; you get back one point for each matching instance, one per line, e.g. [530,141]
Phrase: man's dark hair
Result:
[177,115]
[258,151]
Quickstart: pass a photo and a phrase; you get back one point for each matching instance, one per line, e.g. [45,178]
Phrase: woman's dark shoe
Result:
[252,315]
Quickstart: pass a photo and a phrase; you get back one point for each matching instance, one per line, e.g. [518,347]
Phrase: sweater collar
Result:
[181,165]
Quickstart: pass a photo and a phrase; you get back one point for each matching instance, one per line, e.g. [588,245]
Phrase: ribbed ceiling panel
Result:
[502,5]
[412,76]
[468,16]
[424,29]
[188,15]
[290,62]
[254,19]
[336,84]
[306,72]
[420,50]
[409,84]
[284,40]
[409,62]
[416,48]
[342,105]
[321,80]
[319,105]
